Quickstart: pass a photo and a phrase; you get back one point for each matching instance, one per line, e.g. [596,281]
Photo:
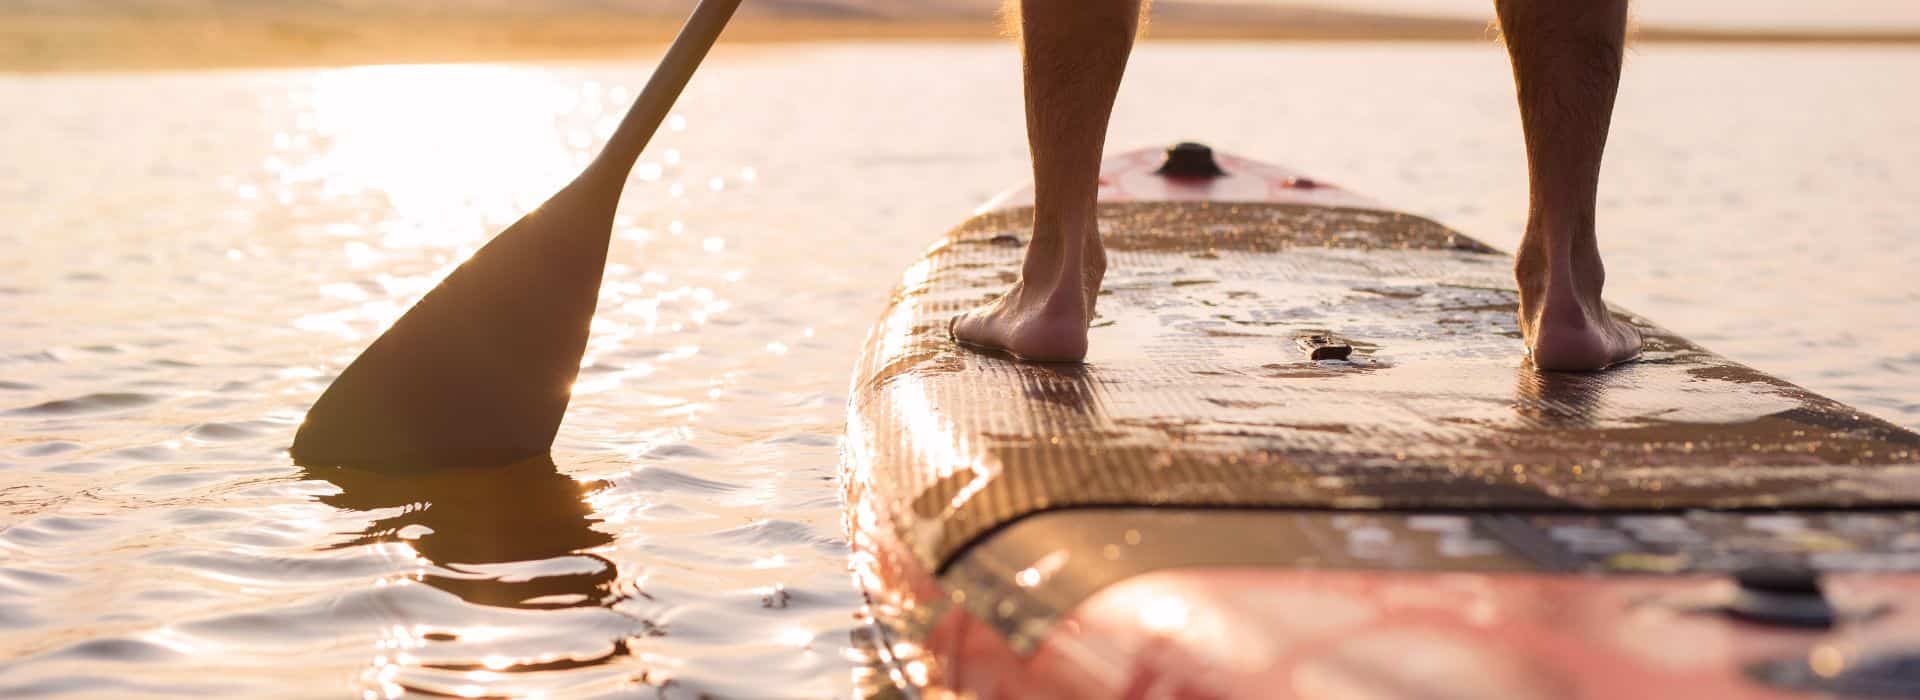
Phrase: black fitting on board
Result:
[1790,597]
[1189,159]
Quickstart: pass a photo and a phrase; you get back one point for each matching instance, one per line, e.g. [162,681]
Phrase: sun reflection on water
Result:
[454,150]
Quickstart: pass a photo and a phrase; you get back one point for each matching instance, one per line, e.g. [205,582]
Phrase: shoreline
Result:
[30,45]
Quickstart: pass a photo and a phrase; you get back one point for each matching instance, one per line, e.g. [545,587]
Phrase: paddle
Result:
[480,370]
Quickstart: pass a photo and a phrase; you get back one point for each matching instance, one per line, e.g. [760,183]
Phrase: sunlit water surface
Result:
[186,259]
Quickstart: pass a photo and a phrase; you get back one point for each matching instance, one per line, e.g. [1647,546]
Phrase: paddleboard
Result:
[1305,458]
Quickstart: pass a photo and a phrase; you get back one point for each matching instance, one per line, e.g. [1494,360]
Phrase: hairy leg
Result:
[1074,53]
[1566,67]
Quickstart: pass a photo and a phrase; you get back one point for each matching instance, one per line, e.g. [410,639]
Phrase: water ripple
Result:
[88,404]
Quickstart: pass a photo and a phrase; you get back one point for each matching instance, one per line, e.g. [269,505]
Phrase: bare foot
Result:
[1043,317]
[1566,325]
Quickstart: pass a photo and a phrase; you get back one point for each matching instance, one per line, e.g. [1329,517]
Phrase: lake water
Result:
[187,258]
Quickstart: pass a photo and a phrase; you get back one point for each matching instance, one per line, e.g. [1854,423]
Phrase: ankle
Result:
[1560,249]
[1061,246]
[1562,222]
[1077,221]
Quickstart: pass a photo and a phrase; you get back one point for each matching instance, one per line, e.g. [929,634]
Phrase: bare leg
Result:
[1566,68]
[1075,52]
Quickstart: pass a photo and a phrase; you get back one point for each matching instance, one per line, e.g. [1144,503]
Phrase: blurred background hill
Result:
[111,34]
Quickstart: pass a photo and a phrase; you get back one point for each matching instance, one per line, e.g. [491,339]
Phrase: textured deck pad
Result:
[1197,392]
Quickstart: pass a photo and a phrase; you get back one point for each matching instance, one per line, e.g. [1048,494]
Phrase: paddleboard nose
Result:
[1189,159]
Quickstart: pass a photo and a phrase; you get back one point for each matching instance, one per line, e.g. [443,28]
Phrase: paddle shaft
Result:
[643,119]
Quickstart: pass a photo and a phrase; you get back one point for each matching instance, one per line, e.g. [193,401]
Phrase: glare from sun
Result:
[455,151]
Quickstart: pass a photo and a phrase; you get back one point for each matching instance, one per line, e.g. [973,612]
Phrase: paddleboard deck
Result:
[1305,458]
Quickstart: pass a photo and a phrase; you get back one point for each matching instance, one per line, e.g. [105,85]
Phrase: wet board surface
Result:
[1196,394]
[974,479]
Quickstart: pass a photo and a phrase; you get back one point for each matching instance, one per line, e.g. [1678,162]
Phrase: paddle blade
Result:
[480,370]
